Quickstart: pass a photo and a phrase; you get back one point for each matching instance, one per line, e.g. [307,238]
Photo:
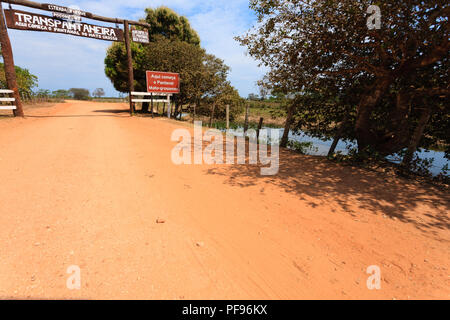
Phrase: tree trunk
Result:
[193,115]
[8,59]
[397,136]
[364,134]
[333,145]
[287,126]
[338,136]
[417,135]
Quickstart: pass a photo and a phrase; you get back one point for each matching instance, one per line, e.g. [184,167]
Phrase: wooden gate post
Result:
[126,30]
[8,59]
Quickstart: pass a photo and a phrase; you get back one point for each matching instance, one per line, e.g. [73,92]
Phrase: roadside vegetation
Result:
[385,91]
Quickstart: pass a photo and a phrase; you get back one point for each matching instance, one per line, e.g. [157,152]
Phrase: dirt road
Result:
[83,184]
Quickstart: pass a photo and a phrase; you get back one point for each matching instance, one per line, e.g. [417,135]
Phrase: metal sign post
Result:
[164,83]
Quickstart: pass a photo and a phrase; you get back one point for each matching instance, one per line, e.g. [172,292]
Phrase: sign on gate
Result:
[140,36]
[66,10]
[22,20]
[163,82]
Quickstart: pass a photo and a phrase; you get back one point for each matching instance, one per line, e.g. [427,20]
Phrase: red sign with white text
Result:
[163,82]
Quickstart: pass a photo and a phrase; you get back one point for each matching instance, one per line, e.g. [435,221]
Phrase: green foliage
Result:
[99,92]
[227,96]
[301,147]
[25,80]
[61,94]
[79,93]
[169,32]
[174,47]
[374,84]
[42,93]
[180,57]
[167,23]
[253,97]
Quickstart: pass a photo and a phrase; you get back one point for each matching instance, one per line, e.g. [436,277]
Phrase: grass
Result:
[109,100]
[272,112]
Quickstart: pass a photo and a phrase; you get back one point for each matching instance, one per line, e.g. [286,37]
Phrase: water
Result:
[321,148]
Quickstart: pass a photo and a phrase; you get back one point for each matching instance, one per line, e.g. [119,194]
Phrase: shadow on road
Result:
[119,113]
[351,188]
[113,111]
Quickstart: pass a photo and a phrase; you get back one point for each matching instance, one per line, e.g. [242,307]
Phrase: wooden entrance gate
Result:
[58,23]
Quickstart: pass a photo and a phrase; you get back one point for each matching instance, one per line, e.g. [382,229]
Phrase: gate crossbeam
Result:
[40,6]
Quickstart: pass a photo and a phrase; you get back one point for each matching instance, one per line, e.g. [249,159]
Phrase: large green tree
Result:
[166,24]
[79,93]
[380,83]
[176,56]
[174,47]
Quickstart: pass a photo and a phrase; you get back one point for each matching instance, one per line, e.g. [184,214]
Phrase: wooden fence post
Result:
[246,118]
[259,128]
[228,116]
[152,105]
[126,31]
[211,118]
[8,59]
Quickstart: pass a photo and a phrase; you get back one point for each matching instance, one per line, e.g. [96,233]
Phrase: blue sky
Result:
[63,61]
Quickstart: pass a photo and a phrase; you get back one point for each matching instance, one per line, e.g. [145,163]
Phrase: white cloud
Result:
[63,61]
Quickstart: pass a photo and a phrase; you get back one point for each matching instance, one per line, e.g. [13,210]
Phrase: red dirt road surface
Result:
[83,184]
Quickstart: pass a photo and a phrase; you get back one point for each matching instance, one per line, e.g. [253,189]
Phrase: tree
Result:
[25,80]
[180,57]
[42,94]
[165,24]
[61,94]
[174,47]
[324,52]
[79,93]
[253,97]
[99,92]
[228,96]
